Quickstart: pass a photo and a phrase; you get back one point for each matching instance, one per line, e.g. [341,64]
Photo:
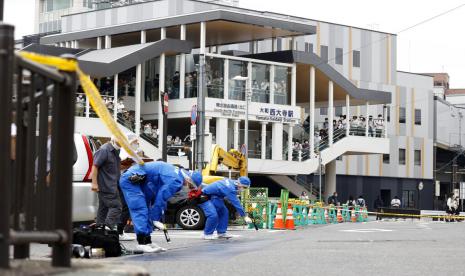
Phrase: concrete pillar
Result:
[311,111]
[293,84]
[138,97]
[366,119]
[272,74]
[221,133]
[330,112]
[226,79]
[330,179]
[207,125]
[203,36]
[161,88]
[277,141]
[99,42]
[182,65]
[76,44]
[115,98]
[236,134]
[107,41]
[68,44]
[290,135]
[263,141]
[143,36]
[347,115]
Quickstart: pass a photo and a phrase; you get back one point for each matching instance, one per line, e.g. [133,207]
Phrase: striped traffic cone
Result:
[278,220]
[326,216]
[290,218]
[339,215]
[353,218]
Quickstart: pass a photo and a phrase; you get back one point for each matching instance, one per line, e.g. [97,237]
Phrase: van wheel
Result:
[190,218]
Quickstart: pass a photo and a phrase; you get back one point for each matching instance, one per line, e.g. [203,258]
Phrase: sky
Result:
[437,45]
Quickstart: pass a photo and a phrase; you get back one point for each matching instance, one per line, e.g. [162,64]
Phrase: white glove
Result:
[247,220]
[159,225]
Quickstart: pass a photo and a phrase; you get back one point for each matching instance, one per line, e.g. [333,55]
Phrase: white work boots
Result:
[150,248]
[126,237]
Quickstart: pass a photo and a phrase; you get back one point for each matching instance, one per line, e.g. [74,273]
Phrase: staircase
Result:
[95,127]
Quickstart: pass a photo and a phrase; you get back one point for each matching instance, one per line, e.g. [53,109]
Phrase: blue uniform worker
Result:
[216,212]
[147,189]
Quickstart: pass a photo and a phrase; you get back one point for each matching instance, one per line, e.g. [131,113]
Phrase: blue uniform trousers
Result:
[217,216]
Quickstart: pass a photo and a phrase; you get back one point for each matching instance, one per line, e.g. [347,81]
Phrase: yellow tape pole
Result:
[91,92]
[100,108]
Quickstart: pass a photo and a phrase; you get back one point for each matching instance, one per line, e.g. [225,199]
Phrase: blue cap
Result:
[196,178]
[244,181]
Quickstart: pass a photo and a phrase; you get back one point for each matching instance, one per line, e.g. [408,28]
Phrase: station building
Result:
[288,73]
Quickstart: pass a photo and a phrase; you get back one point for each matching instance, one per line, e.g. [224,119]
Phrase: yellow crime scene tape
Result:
[92,94]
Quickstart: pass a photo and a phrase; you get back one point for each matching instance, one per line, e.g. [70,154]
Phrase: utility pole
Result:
[201,113]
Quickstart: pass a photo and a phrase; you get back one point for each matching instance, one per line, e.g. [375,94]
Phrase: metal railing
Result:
[36,183]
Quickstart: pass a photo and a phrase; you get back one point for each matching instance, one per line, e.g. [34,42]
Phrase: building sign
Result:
[230,109]
[276,115]
[257,111]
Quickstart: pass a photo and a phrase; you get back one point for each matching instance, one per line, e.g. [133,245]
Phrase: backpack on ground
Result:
[98,237]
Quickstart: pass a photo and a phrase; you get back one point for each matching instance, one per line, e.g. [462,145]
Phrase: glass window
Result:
[260,83]
[386,158]
[388,113]
[401,156]
[152,80]
[402,115]
[324,53]
[215,80]
[339,56]
[281,84]
[308,47]
[323,111]
[417,154]
[53,5]
[190,82]
[172,77]
[408,199]
[418,116]
[237,87]
[356,58]
[338,111]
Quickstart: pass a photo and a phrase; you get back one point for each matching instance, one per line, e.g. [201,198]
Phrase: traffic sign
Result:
[244,149]
[194,114]
[193,132]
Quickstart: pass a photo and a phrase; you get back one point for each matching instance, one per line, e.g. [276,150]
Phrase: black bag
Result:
[98,237]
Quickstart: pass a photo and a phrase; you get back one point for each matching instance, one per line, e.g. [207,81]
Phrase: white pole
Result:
[138,97]
[330,112]
[115,98]
[263,146]
[311,112]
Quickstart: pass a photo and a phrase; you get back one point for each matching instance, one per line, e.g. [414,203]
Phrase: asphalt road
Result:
[373,248]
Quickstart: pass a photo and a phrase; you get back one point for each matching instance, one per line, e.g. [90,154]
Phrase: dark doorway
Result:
[386,197]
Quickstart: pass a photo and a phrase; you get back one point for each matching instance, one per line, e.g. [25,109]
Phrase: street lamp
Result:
[246,126]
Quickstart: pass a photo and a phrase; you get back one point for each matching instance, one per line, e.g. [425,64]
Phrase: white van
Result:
[84,200]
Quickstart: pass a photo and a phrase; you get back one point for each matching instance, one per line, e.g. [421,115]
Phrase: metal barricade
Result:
[36,183]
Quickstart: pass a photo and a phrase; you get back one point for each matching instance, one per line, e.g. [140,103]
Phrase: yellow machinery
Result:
[233,159]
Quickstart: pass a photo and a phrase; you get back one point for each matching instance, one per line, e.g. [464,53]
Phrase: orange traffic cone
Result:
[278,220]
[326,216]
[339,215]
[352,216]
[290,218]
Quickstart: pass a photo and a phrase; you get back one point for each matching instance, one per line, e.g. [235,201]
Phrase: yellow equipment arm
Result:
[233,160]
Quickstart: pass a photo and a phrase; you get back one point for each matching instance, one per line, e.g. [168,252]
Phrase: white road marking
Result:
[370,230]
